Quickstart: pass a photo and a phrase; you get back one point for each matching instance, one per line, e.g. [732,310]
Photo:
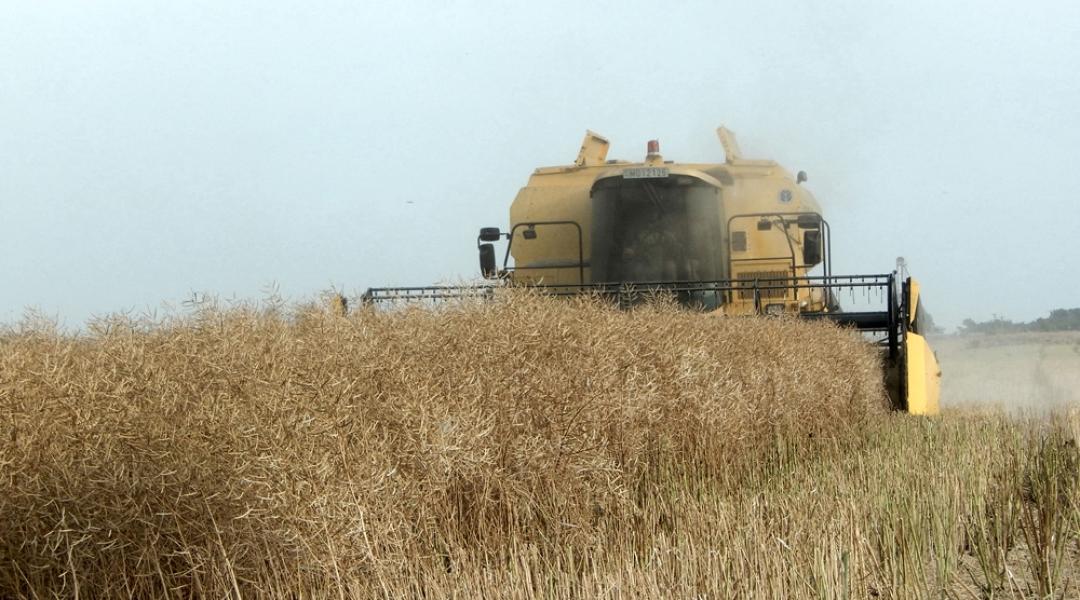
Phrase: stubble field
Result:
[527,448]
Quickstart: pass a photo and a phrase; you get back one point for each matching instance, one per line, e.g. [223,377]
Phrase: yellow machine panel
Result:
[923,376]
[922,372]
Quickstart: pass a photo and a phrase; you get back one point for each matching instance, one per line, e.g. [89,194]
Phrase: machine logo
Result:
[785,196]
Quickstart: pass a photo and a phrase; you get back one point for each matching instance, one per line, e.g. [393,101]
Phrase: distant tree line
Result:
[1060,319]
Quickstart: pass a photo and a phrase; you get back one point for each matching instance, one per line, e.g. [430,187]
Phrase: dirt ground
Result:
[1029,372]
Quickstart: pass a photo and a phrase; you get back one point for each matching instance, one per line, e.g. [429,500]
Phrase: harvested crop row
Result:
[246,450]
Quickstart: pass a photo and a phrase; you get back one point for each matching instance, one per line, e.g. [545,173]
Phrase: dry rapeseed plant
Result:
[223,449]
[521,448]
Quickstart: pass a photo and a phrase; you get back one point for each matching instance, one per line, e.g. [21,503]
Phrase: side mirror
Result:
[811,249]
[490,234]
[809,222]
[487,261]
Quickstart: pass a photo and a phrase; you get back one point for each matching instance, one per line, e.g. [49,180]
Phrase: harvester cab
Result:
[742,237]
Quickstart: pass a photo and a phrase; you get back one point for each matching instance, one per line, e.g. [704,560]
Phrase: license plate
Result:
[645,173]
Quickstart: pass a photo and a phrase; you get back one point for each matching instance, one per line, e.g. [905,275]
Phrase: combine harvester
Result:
[737,238]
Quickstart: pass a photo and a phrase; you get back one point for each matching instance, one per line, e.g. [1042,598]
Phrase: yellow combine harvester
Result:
[736,238]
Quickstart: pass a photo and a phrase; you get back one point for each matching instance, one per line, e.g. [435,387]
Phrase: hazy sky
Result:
[149,150]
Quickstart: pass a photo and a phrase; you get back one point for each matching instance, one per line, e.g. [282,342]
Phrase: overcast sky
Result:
[149,150]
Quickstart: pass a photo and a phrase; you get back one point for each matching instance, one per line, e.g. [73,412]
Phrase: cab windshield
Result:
[655,230]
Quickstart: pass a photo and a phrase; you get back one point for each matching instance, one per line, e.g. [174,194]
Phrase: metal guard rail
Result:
[887,320]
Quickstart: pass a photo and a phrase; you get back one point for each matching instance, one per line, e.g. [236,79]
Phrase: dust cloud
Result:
[1020,373]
